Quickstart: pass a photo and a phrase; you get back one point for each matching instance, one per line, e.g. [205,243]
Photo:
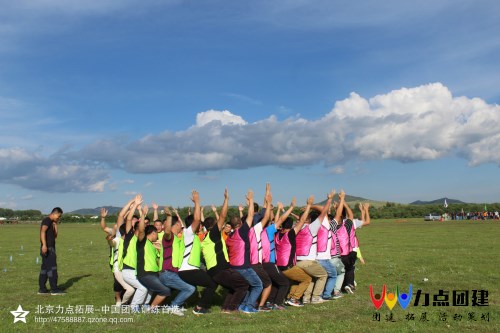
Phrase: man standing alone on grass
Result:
[48,235]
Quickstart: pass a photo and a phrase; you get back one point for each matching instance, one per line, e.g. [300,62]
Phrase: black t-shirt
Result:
[140,257]
[50,235]
[222,263]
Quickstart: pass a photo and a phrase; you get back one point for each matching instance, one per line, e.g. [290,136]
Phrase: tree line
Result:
[389,210]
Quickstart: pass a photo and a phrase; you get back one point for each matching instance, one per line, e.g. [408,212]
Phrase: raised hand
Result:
[154,205]
[195,196]
[310,200]
[294,202]
[240,208]
[104,212]
[138,200]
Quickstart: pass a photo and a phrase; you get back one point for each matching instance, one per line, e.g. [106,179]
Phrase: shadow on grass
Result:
[68,284]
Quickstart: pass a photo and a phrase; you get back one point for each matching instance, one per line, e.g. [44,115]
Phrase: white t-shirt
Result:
[189,236]
[116,241]
[357,223]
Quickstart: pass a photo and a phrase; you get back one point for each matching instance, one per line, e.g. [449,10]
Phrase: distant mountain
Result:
[437,201]
[96,211]
[348,198]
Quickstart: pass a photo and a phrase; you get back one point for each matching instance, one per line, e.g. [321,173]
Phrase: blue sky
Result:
[390,100]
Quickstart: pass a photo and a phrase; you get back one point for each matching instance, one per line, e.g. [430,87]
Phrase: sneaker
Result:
[349,290]
[154,310]
[146,308]
[337,295]
[264,308]
[306,300]
[317,300]
[249,309]
[278,307]
[44,292]
[175,310]
[326,299]
[199,311]
[352,287]
[228,311]
[355,284]
[293,302]
[136,309]
[57,292]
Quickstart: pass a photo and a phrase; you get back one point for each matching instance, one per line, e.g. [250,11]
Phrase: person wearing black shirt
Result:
[48,235]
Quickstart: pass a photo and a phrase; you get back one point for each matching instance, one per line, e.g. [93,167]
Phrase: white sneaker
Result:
[175,310]
[317,300]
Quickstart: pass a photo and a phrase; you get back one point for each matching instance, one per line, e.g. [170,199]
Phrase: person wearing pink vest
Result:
[258,238]
[286,256]
[347,234]
[238,247]
[324,245]
[306,255]
[280,283]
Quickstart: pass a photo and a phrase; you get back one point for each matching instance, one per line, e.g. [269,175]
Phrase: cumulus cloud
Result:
[31,170]
[409,124]
[406,125]
[223,117]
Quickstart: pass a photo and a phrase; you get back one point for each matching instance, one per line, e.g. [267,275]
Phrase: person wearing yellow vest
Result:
[148,255]
[217,261]
[157,222]
[115,242]
[128,263]
[189,270]
[170,260]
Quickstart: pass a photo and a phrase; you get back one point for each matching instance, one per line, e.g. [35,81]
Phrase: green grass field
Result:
[451,255]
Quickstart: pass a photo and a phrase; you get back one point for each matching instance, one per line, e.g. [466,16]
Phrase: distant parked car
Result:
[432,217]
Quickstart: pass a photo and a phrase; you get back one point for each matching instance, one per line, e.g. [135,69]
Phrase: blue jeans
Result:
[172,280]
[332,277]
[255,286]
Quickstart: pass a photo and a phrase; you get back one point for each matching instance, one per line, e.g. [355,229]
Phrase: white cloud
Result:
[31,170]
[224,117]
[409,124]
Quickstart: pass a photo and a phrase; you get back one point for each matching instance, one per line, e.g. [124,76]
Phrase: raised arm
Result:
[167,224]
[366,220]
[287,213]
[107,230]
[240,209]
[350,215]
[133,207]
[121,216]
[214,209]
[155,211]
[340,207]
[202,213]
[142,226]
[176,212]
[195,197]
[304,215]
[250,212]
[278,213]
[362,210]
[268,202]
[223,213]
[327,205]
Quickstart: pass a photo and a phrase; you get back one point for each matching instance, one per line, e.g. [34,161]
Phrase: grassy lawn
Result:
[460,255]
